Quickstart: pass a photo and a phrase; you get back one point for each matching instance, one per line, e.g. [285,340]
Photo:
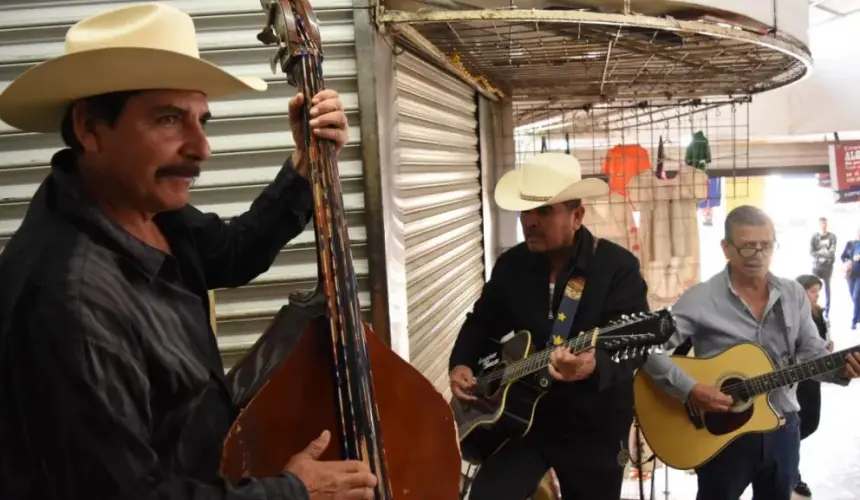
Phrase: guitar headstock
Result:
[636,335]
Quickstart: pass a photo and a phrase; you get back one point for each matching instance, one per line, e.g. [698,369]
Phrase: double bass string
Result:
[325,262]
[359,416]
[360,429]
[357,363]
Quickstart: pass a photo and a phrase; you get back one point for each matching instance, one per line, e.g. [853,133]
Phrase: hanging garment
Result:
[624,162]
[715,194]
[611,218]
[698,152]
[661,173]
[669,231]
[650,196]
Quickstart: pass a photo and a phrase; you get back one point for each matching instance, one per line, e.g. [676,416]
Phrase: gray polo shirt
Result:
[716,318]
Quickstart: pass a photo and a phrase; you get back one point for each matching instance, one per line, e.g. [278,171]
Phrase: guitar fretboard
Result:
[540,359]
[763,384]
[596,338]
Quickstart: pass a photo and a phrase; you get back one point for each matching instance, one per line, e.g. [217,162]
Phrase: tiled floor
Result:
[830,458]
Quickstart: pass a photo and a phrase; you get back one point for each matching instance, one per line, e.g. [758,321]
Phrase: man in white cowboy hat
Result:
[111,384]
[581,426]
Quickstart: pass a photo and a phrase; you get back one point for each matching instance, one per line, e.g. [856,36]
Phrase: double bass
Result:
[318,366]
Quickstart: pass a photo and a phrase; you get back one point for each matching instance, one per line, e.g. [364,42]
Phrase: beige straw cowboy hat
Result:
[137,47]
[546,179]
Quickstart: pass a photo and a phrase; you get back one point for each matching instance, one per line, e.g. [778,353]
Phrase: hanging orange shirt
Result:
[624,162]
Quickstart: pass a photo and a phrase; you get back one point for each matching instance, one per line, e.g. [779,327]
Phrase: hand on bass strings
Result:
[569,367]
[463,381]
[341,480]
[709,398]
[852,366]
[327,120]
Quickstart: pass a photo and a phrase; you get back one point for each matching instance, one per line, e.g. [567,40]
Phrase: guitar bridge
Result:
[694,415]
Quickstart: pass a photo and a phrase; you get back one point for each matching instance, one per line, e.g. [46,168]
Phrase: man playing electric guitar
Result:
[581,425]
[745,303]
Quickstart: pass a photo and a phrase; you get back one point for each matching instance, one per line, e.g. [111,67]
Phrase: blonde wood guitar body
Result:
[683,437]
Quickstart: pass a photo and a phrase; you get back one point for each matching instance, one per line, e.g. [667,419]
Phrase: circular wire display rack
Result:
[582,57]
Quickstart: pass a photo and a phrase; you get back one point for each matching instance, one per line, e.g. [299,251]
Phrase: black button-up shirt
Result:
[593,416]
[111,383]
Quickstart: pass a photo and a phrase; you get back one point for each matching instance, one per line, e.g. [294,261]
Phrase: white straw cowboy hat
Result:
[546,179]
[137,47]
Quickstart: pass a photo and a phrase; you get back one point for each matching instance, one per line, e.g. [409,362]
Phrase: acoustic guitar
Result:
[683,437]
[508,389]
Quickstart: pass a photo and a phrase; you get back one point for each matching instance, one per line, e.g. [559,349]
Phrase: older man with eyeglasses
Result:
[746,303]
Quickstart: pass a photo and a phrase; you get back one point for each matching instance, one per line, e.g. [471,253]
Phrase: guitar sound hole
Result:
[719,423]
[733,388]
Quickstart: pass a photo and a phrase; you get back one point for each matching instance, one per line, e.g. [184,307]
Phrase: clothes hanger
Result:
[660,172]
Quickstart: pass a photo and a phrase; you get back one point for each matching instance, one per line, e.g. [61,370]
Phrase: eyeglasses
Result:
[750,250]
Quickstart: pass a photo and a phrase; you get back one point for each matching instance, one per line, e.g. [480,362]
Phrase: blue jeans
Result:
[768,461]
[854,290]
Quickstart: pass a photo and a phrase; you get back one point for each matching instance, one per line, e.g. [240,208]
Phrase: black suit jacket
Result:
[592,416]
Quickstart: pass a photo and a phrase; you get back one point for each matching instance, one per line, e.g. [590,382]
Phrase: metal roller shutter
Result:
[439,197]
[248,135]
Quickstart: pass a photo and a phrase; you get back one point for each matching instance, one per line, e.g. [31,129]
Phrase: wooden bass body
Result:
[685,438]
[319,366]
[286,388]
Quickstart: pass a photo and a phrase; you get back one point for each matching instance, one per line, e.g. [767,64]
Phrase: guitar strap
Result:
[786,330]
[563,323]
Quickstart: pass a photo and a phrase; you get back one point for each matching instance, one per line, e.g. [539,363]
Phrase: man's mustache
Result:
[188,170]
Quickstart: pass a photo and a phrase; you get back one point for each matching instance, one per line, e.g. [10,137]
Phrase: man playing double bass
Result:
[581,426]
[111,384]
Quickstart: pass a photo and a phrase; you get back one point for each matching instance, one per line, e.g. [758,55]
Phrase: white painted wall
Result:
[829,99]
[789,16]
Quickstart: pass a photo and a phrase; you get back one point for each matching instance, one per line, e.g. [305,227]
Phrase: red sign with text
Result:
[845,171]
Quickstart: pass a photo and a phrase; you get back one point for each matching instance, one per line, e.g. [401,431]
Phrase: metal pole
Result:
[666,486]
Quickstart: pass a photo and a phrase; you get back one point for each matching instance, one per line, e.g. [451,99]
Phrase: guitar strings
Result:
[537,361]
[761,380]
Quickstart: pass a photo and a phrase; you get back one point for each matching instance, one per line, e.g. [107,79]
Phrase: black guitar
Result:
[509,389]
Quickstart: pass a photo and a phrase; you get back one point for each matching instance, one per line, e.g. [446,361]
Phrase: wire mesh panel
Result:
[663,162]
[592,56]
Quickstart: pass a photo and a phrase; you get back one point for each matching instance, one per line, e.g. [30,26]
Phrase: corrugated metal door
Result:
[248,136]
[439,197]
